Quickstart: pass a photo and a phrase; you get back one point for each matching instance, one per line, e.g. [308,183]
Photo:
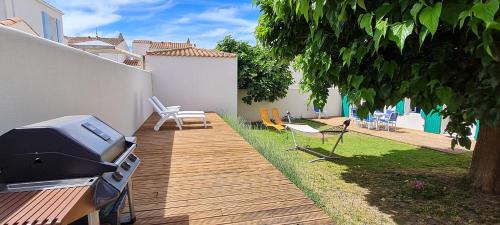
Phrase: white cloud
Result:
[204,22]
[84,15]
[225,15]
[182,20]
[215,33]
[77,22]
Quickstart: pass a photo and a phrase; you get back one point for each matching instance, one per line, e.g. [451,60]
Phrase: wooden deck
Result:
[212,176]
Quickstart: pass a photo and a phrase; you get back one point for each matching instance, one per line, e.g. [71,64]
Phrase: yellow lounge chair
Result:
[277,117]
[264,115]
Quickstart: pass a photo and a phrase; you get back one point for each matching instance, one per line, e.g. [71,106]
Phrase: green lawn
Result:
[374,181]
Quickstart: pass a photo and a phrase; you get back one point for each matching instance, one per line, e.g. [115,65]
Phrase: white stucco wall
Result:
[195,83]
[140,48]
[295,102]
[116,57]
[22,26]
[41,80]
[31,12]
[3,10]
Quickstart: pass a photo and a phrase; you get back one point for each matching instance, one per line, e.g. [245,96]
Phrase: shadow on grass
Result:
[374,180]
[391,183]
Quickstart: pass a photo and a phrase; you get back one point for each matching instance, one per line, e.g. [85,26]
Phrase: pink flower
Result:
[419,185]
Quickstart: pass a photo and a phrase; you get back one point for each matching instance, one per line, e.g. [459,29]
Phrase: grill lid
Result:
[62,148]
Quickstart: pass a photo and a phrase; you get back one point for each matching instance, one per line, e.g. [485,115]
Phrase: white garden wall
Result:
[41,80]
[195,83]
[295,102]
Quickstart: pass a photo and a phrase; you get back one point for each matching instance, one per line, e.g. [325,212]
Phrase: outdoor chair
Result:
[264,115]
[389,121]
[277,117]
[174,114]
[354,113]
[177,107]
[370,122]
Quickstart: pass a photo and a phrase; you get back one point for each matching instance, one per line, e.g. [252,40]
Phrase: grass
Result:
[374,181]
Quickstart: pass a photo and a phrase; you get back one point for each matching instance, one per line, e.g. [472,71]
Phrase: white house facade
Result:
[43,18]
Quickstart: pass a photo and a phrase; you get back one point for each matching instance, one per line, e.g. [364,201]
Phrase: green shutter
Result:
[432,121]
[477,130]
[345,106]
[400,107]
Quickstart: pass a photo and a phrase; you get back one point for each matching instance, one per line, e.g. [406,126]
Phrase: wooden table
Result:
[56,206]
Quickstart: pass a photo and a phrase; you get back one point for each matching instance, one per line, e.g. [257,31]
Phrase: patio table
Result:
[378,116]
[55,206]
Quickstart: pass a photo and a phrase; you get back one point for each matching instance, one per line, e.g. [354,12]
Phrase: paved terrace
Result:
[212,176]
[409,136]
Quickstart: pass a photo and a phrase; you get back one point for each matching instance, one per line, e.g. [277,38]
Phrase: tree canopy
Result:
[378,52]
[263,77]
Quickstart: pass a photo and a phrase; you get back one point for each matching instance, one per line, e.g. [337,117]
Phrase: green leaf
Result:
[488,42]
[422,35]
[382,10]
[318,11]
[361,4]
[366,23]
[303,8]
[444,94]
[400,31]
[368,95]
[474,22]
[451,11]
[463,16]
[494,25]
[343,14]
[380,31]
[356,81]
[429,17]
[389,68]
[486,11]
[415,10]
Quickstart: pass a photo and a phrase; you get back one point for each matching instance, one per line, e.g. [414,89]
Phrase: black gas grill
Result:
[68,152]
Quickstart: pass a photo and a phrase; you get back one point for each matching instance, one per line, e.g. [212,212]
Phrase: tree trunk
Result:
[485,167]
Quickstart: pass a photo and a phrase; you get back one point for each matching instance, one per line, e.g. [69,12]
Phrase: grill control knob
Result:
[125,166]
[117,176]
[132,157]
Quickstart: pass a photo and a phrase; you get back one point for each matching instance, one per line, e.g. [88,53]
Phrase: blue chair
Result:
[370,122]
[354,114]
[390,121]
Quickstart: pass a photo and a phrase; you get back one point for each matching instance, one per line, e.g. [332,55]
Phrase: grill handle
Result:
[124,156]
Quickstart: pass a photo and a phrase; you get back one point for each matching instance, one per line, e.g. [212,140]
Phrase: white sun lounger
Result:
[177,107]
[176,115]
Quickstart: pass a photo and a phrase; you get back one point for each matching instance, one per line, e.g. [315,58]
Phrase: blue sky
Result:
[203,21]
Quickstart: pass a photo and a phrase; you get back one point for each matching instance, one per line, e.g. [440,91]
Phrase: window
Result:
[51,27]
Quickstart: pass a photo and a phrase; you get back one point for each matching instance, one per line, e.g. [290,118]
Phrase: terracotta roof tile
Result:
[142,41]
[112,41]
[192,52]
[11,21]
[169,45]
[133,62]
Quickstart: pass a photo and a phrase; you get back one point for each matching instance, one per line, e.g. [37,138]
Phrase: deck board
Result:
[212,176]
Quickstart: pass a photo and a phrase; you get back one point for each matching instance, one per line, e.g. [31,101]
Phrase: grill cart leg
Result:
[130,202]
[93,218]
